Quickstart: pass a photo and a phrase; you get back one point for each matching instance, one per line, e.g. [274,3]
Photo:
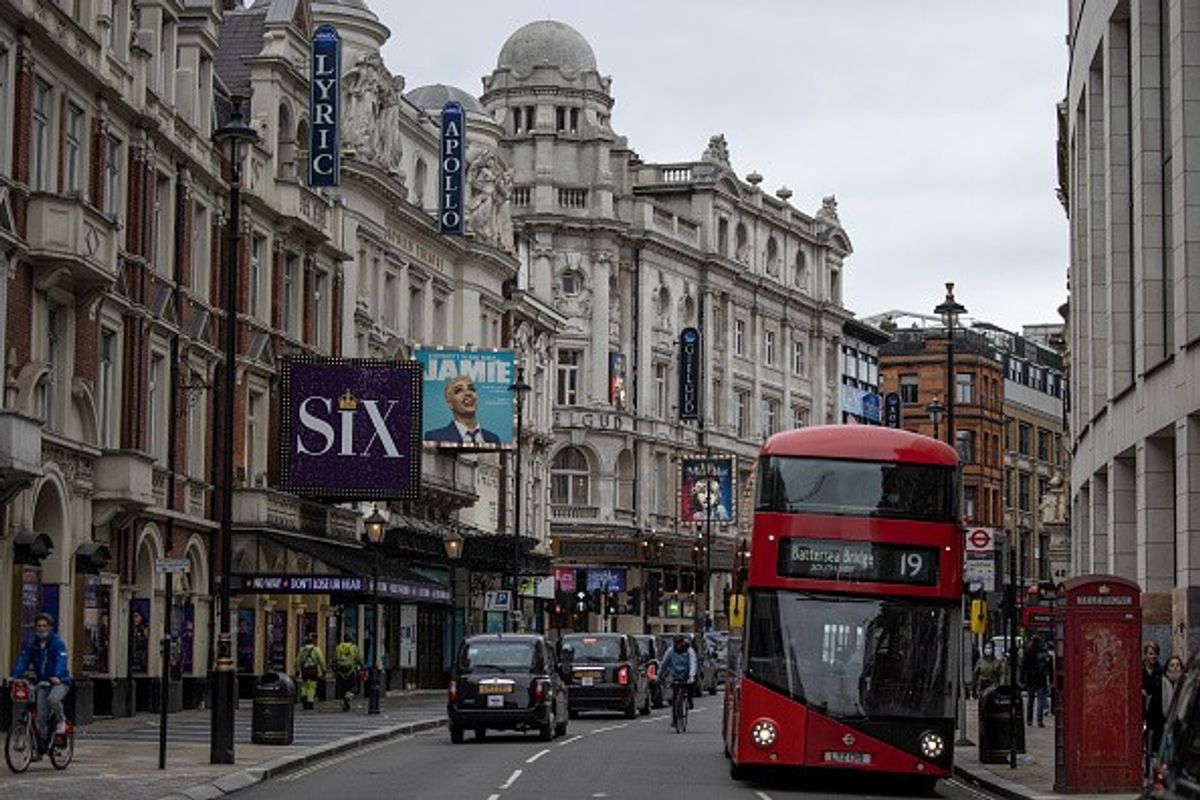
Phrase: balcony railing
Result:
[574,512]
[64,231]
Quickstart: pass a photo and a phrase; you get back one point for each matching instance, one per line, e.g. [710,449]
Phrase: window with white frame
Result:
[106,388]
[770,417]
[258,255]
[291,282]
[196,425]
[570,478]
[799,417]
[909,389]
[964,388]
[112,176]
[742,413]
[39,168]
[769,348]
[798,357]
[73,138]
[739,337]
[256,437]
[660,391]
[200,254]
[156,396]
[569,363]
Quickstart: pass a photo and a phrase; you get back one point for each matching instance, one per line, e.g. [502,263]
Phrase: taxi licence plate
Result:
[495,688]
[495,701]
[587,681]
[841,757]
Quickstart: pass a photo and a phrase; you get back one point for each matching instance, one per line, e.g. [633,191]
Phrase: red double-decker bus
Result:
[851,648]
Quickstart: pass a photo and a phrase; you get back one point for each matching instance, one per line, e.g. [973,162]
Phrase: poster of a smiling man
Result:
[467,402]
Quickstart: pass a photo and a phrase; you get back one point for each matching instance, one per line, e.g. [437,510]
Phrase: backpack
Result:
[347,658]
[309,667]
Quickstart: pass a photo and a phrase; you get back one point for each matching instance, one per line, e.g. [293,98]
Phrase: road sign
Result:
[498,601]
[981,540]
[172,565]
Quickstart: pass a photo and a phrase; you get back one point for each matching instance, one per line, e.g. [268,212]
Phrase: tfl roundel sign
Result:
[980,539]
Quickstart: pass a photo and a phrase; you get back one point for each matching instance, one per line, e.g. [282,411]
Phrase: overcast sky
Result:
[932,121]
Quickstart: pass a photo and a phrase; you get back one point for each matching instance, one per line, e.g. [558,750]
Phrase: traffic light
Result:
[635,600]
[612,607]
[597,604]
[654,595]
[581,602]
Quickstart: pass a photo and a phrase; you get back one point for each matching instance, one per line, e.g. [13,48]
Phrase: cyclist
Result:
[46,655]
[679,664]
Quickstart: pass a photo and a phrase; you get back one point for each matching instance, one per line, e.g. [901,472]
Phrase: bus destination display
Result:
[839,560]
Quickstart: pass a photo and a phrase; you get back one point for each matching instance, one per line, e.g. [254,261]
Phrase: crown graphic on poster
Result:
[348,402]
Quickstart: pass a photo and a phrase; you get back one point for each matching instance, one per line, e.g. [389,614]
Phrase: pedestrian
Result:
[1037,666]
[1152,703]
[1172,672]
[347,662]
[312,667]
[988,670]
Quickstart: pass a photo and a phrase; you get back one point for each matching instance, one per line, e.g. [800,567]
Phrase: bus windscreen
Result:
[856,488]
[853,657]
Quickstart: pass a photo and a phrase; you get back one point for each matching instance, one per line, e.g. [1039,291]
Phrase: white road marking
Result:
[566,742]
[762,796]
[536,756]
[511,779]
[493,797]
[611,728]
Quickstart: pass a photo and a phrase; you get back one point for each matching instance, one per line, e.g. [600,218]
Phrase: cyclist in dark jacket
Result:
[46,655]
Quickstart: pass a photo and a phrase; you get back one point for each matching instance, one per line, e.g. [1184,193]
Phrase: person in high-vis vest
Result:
[312,666]
[347,663]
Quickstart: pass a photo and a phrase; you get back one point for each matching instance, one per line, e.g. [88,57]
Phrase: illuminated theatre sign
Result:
[351,428]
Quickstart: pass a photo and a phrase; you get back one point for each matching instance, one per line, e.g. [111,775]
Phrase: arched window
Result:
[419,176]
[570,479]
[723,237]
[742,244]
[302,148]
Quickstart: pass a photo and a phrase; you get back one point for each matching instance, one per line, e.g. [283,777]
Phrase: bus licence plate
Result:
[842,757]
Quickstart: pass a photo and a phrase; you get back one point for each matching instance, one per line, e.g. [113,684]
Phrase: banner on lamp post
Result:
[324,110]
[452,169]
[689,375]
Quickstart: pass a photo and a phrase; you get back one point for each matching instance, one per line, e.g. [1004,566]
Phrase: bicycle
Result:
[679,704]
[23,737]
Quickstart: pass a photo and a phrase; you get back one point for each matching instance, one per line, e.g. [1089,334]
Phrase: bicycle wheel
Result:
[683,715]
[18,746]
[62,750]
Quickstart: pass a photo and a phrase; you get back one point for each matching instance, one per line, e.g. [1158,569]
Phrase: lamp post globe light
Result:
[936,411]
[453,544]
[519,388]
[374,528]
[234,139]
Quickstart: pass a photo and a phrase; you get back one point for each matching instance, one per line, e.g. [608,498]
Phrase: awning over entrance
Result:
[341,569]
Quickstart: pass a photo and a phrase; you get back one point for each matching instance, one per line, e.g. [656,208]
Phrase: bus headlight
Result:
[764,733]
[932,745]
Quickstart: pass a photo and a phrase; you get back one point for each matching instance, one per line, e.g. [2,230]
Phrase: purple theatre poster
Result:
[351,428]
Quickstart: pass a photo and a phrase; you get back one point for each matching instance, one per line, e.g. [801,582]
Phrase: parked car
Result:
[649,657]
[603,671]
[706,667]
[504,681]
[1175,768]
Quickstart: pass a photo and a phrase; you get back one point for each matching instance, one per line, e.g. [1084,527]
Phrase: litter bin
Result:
[273,720]
[996,728]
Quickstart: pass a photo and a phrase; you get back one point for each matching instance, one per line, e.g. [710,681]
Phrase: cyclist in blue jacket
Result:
[46,655]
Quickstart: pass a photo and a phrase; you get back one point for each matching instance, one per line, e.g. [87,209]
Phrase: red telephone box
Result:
[1098,685]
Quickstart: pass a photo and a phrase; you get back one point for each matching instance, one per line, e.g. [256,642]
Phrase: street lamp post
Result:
[453,542]
[950,310]
[374,527]
[935,411]
[235,135]
[519,388]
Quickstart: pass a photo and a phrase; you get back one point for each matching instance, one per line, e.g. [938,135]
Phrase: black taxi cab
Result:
[506,681]
[603,672]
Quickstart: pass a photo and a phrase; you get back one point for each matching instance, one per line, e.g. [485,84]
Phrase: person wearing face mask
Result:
[46,655]
[987,670]
[1172,672]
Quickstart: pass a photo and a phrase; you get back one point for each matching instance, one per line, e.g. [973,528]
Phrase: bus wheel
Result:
[737,772]
[921,785]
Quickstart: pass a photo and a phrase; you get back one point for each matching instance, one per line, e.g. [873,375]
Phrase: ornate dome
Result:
[546,43]
[434,96]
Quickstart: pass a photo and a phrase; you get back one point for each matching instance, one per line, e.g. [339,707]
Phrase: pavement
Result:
[117,759]
[1031,779]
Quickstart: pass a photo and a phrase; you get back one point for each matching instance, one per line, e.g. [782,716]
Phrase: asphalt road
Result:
[602,756]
